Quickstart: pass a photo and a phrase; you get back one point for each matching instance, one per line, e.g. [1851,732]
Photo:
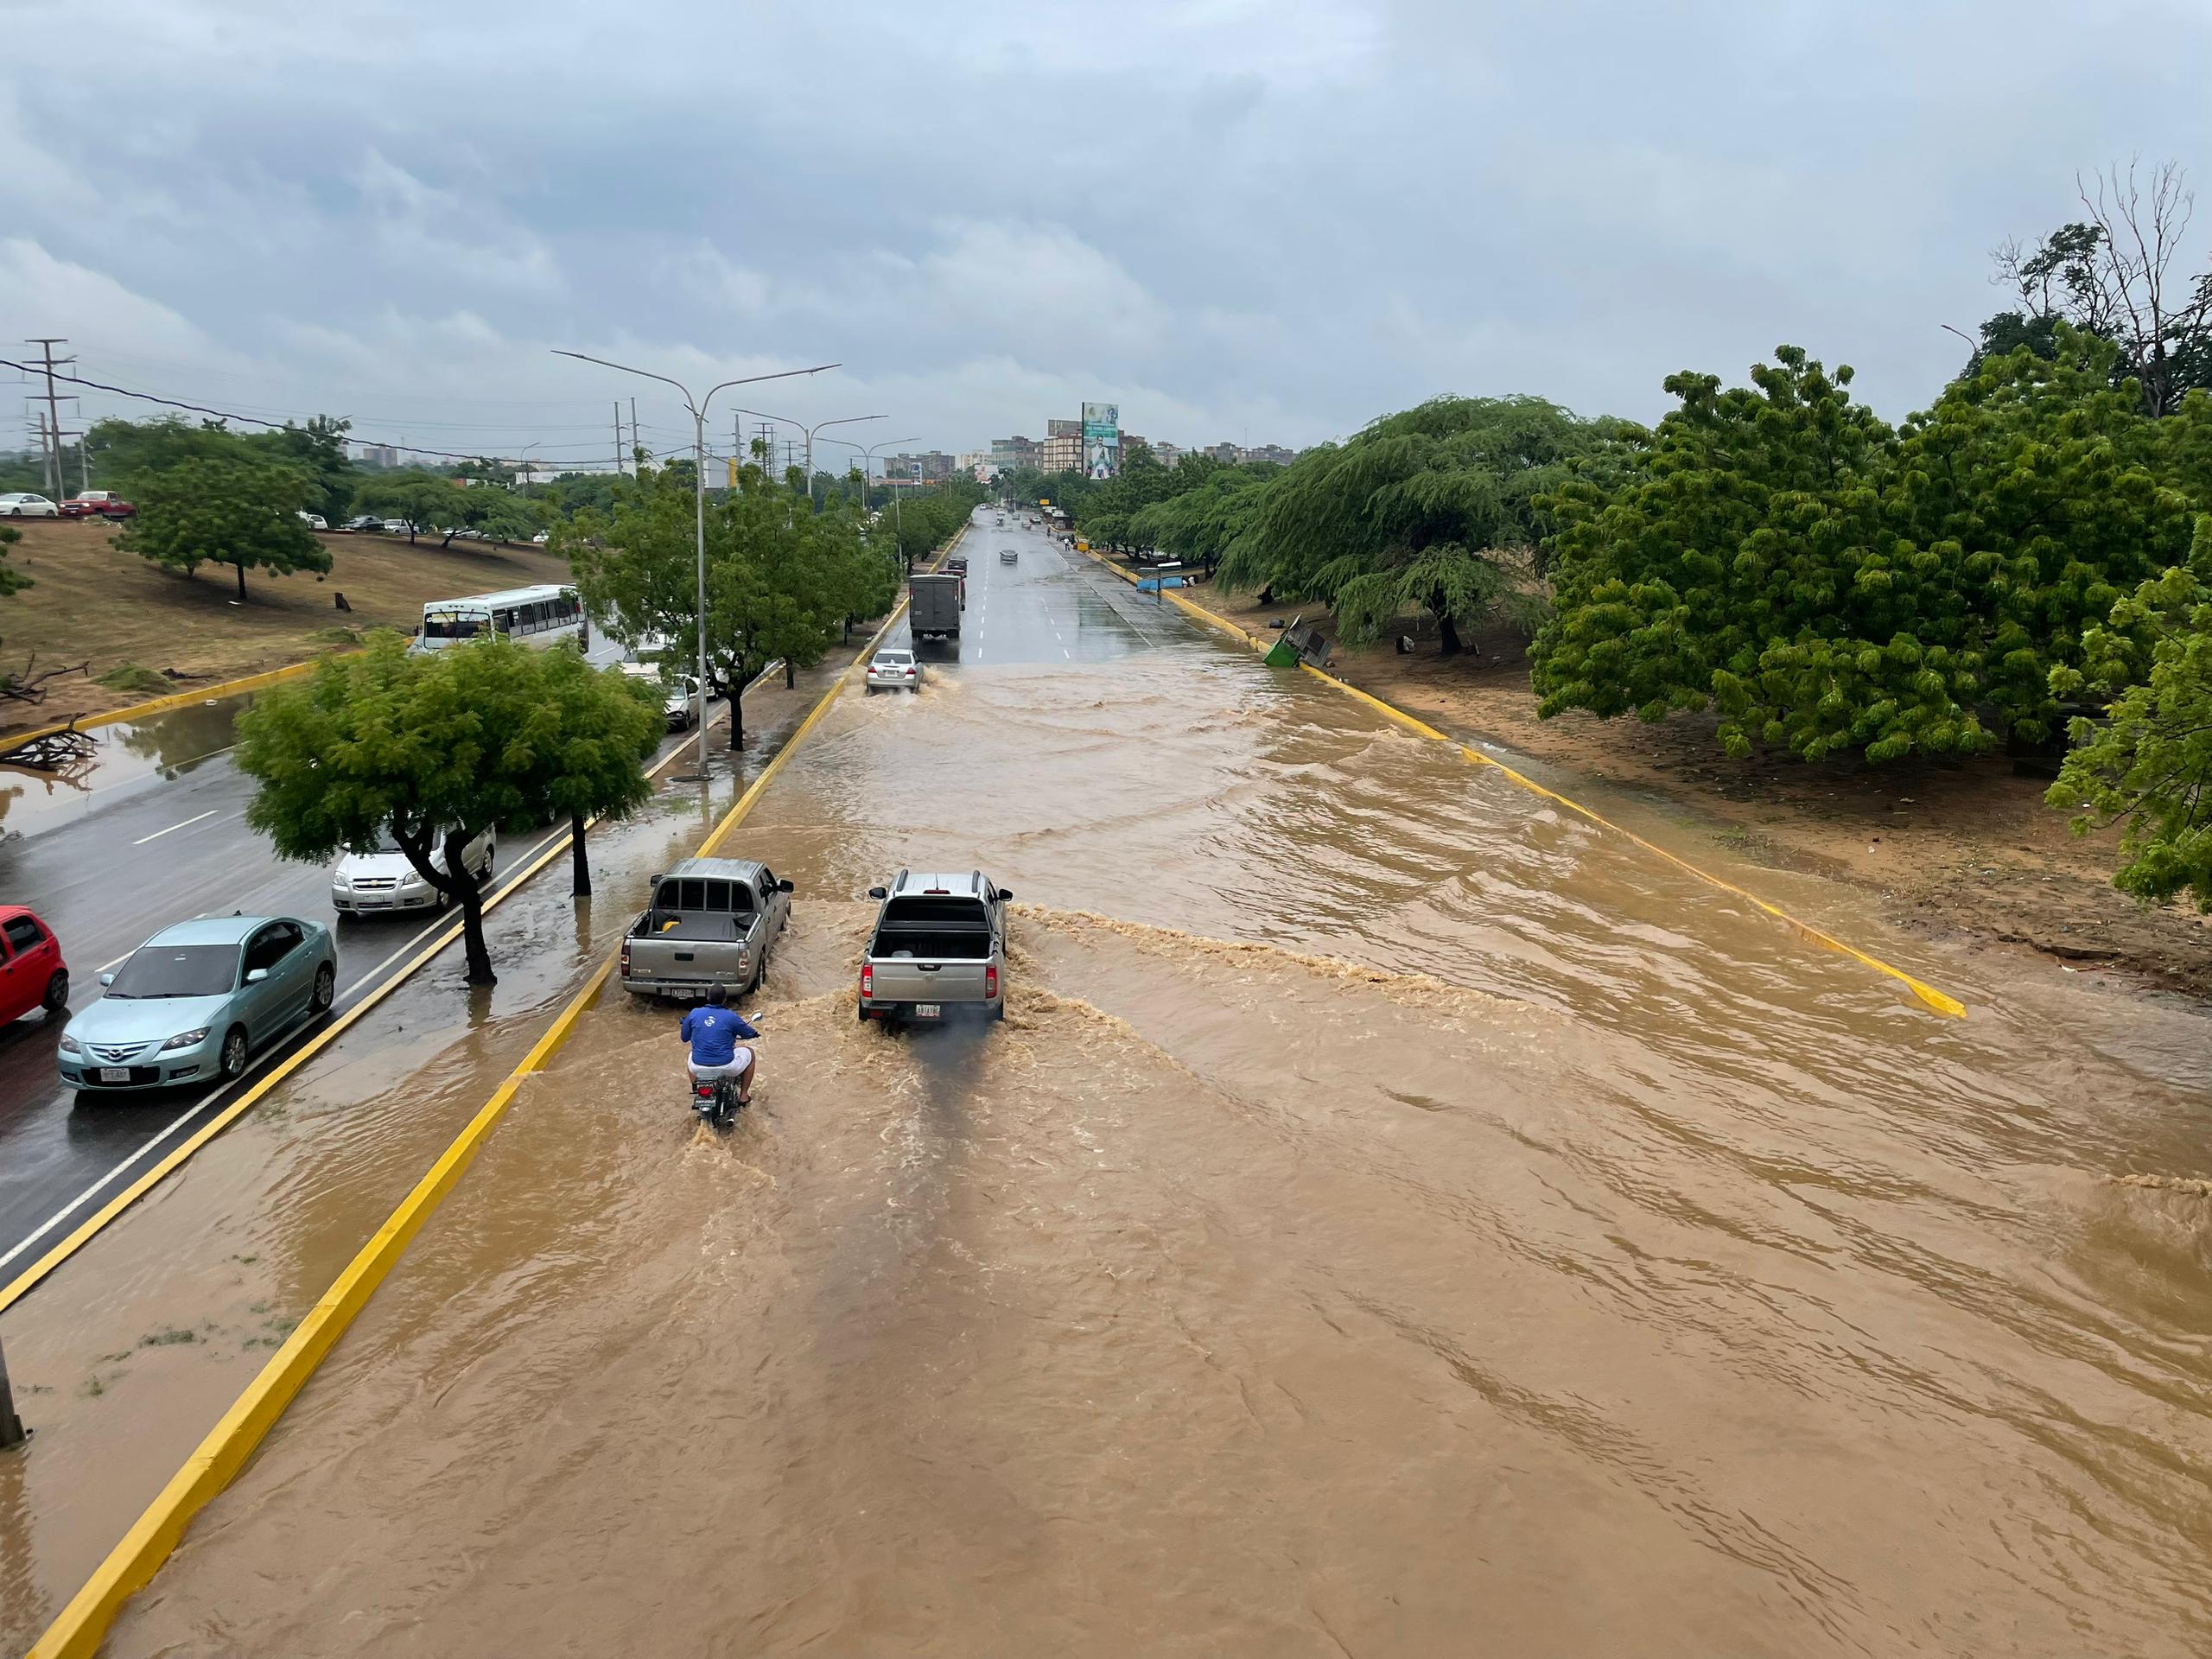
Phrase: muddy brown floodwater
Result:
[1392,1219]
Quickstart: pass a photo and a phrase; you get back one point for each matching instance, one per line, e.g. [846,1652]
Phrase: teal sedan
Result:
[196,1001]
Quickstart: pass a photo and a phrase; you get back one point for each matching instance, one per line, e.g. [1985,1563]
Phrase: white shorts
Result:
[740,1058]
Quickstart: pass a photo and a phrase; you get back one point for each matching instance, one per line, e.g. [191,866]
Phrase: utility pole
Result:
[617,437]
[634,444]
[46,345]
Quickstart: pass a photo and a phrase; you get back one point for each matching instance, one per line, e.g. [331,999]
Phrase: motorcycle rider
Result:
[713,1030]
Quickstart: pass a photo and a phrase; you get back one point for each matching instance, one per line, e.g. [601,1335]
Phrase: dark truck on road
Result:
[934,611]
[938,950]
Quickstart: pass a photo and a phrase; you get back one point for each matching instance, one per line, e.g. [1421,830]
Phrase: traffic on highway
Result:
[1344,1115]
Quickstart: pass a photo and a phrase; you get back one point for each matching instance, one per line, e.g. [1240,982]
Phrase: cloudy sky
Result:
[1265,220]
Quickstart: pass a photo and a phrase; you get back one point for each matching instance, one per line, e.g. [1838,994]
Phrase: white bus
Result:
[535,616]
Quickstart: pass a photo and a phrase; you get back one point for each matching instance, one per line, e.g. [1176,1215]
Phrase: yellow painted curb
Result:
[130,1566]
[83,1624]
[1940,1001]
[28,1280]
[174,699]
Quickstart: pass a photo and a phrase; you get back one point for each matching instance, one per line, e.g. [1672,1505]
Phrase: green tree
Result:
[451,744]
[131,454]
[604,726]
[423,500]
[222,511]
[431,501]
[319,449]
[1831,584]
[2147,765]
[2117,274]
[1437,509]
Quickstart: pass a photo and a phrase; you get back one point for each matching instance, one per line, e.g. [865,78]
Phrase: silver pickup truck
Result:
[939,950]
[712,920]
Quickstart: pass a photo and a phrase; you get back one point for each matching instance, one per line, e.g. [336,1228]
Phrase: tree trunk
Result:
[737,709]
[472,933]
[1448,634]
[240,566]
[579,864]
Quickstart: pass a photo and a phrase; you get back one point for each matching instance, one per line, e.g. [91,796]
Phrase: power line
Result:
[52,375]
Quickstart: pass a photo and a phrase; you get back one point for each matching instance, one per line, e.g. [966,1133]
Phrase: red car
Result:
[32,973]
[101,504]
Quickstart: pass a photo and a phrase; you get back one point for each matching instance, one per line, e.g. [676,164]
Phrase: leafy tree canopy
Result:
[224,510]
[1441,508]
[489,735]
[1831,583]
[2148,764]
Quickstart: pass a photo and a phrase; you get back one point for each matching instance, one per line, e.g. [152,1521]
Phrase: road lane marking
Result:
[174,827]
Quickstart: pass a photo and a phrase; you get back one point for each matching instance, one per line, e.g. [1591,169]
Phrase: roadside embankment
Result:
[92,603]
[1962,849]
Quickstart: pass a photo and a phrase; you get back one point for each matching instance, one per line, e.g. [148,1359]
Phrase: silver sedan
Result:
[894,668]
[23,504]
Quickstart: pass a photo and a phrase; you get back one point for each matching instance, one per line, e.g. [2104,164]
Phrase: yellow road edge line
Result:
[174,699]
[1940,1001]
[24,1282]
[82,1625]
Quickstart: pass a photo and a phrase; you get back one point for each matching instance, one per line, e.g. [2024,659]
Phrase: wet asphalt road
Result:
[161,837]
[155,834]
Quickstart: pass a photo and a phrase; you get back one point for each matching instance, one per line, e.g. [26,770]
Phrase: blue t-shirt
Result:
[713,1033]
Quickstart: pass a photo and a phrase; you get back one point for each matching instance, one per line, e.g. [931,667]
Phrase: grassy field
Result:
[113,611]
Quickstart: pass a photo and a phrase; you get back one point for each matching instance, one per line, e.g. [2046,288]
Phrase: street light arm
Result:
[684,392]
[754,379]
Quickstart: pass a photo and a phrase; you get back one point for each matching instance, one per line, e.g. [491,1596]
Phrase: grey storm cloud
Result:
[1264,221]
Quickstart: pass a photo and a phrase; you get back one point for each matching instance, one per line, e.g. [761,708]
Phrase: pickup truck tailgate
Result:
[916,978]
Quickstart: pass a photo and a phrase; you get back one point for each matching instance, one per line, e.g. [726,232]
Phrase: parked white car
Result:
[313,521]
[370,883]
[23,504]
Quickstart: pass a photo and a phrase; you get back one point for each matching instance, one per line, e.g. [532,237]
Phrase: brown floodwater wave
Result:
[1390,1220]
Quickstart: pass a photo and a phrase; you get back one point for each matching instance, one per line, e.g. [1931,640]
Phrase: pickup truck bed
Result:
[712,921]
[936,950]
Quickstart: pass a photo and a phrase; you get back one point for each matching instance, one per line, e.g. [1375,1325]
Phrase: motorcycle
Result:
[715,1100]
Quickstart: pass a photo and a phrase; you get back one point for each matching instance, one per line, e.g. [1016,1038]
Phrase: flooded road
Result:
[1393,1218]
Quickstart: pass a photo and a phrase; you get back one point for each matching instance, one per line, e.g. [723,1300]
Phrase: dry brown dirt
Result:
[95,604]
[1960,849]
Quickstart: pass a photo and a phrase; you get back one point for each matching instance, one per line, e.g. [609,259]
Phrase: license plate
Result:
[115,1074]
[925,1010]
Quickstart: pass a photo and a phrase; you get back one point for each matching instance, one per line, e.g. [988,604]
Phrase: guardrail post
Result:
[12,1432]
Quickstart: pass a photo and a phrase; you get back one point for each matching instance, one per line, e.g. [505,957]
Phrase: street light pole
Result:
[698,408]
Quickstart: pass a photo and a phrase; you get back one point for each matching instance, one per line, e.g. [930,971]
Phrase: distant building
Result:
[376,454]
[1168,454]
[1226,453]
[1006,454]
[1273,452]
[934,465]
[1062,428]
[1063,451]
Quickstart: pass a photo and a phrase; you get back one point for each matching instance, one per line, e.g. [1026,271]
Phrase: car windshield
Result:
[176,970]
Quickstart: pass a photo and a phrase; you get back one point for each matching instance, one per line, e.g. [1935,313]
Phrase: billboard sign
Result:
[1102,440]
